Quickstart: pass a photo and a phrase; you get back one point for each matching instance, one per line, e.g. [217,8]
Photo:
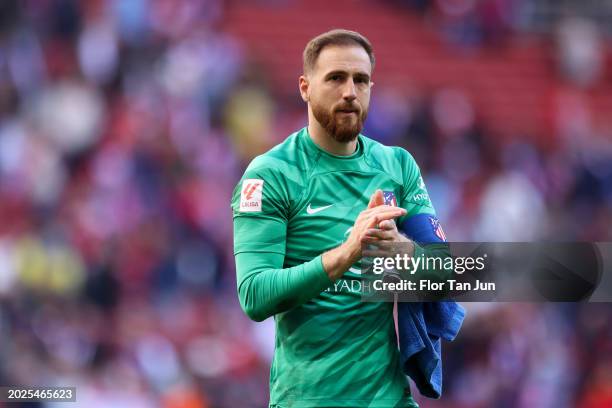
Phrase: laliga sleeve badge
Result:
[250,195]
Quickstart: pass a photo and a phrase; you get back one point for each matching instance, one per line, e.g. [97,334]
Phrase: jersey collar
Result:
[312,146]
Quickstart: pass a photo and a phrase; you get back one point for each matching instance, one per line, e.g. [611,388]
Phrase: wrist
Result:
[411,247]
[338,260]
[350,253]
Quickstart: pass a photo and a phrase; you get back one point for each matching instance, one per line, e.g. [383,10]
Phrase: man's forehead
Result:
[350,58]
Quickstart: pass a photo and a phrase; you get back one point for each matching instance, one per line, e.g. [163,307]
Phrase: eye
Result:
[335,78]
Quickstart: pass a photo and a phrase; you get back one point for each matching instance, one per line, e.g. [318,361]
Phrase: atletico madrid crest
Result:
[435,224]
[389,198]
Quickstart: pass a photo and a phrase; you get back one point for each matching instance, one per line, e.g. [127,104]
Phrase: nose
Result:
[348,92]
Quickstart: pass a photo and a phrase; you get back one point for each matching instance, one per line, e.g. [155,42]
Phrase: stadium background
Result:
[124,126]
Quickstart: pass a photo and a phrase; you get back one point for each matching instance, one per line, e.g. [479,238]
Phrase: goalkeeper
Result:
[301,214]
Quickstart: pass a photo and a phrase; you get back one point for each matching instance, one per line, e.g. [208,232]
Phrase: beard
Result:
[341,127]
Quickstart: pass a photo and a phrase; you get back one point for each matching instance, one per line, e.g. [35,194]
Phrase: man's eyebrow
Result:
[359,74]
[362,75]
[336,72]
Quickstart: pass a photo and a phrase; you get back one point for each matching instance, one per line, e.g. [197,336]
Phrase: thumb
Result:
[376,199]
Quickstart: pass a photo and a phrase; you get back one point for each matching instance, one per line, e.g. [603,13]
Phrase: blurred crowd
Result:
[124,127]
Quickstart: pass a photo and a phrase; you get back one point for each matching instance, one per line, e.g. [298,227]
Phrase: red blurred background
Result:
[124,126]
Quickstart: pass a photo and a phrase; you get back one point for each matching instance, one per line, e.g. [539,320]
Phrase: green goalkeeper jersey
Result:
[294,203]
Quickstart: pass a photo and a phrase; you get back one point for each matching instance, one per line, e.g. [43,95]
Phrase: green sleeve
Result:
[264,286]
[414,197]
[265,289]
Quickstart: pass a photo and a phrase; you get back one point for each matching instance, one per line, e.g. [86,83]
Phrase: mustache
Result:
[348,108]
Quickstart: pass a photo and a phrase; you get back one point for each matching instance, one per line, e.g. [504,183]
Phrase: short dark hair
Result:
[334,37]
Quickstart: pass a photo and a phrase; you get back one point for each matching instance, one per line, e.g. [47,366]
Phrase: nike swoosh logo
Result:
[311,210]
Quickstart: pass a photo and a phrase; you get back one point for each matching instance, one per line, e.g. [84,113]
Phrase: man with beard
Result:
[301,214]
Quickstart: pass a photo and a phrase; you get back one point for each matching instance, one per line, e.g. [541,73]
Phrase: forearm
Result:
[338,260]
[264,290]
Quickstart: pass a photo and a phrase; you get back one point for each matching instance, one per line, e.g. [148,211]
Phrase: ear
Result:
[303,83]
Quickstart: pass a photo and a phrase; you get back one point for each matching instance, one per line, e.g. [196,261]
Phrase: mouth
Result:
[346,111]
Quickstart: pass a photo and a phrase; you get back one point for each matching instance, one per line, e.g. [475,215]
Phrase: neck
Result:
[325,141]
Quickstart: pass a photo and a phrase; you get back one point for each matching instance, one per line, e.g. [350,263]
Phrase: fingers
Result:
[380,200]
[385,214]
[375,234]
[376,199]
[372,202]
[370,218]
[388,225]
[380,207]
